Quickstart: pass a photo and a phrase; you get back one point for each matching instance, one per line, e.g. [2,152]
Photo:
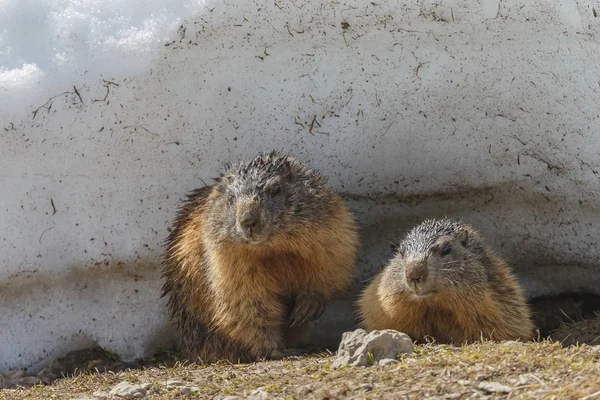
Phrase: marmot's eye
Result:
[446,249]
[230,200]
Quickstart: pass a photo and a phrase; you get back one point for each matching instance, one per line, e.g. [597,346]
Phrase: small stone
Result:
[174,384]
[99,394]
[367,387]
[188,390]
[146,385]
[522,380]
[387,361]
[128,390]
[258,394]
[494,387]
[482,377]
[361,349]
[183,387]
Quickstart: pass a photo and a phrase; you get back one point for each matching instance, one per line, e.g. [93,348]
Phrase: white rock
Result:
[387,361]
[183,387]
[258,394]
[366,387]
[128,390]
[173,384]
[494,387]
[99,394]
[356,345]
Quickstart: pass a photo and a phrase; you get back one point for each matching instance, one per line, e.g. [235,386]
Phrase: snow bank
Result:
[485,110]
[47,46]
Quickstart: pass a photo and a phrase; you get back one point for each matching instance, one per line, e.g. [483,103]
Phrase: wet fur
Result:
[232,301]
[461,313]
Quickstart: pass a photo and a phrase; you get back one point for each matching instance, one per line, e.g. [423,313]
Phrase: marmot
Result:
[445,283]
[255,257]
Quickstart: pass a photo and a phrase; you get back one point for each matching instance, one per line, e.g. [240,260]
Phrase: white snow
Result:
[48,46]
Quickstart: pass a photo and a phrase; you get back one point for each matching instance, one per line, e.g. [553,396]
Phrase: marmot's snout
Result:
[249,221]
[417,274]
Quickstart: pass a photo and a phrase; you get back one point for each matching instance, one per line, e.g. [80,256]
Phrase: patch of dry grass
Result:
[543,370]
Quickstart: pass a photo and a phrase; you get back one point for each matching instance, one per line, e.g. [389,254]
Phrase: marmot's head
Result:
[440,256]
[272,194]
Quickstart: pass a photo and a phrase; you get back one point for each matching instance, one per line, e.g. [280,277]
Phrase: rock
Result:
[356,345]
[388,361]
[494,387]
[188,390]
[128,390]
[99,394]
[184,388]
[463,382]
[522,380]
[174,384]
[367,387]
[258,394]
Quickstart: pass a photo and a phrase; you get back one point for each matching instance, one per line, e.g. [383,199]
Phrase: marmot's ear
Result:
[398,251]
[463,237]
[286,171]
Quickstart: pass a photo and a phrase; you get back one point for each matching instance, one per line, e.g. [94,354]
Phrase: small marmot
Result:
[445,283]
[255,257]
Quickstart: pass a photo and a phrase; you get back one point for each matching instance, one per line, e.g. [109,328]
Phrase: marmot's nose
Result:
[416,273]
[249,219]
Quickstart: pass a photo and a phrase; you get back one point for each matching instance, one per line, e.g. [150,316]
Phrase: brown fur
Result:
[233,300]
[457,314]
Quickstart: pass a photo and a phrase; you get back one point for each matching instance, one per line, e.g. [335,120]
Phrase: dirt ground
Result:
[544,370]
[586,331]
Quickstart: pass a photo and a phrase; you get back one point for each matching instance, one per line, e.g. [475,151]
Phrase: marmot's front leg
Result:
[254,322]
[309,306]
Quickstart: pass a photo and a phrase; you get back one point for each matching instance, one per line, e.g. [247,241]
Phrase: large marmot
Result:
[445,283]
[254,258]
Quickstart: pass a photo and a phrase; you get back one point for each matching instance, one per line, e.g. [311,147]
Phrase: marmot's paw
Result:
[309,306]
